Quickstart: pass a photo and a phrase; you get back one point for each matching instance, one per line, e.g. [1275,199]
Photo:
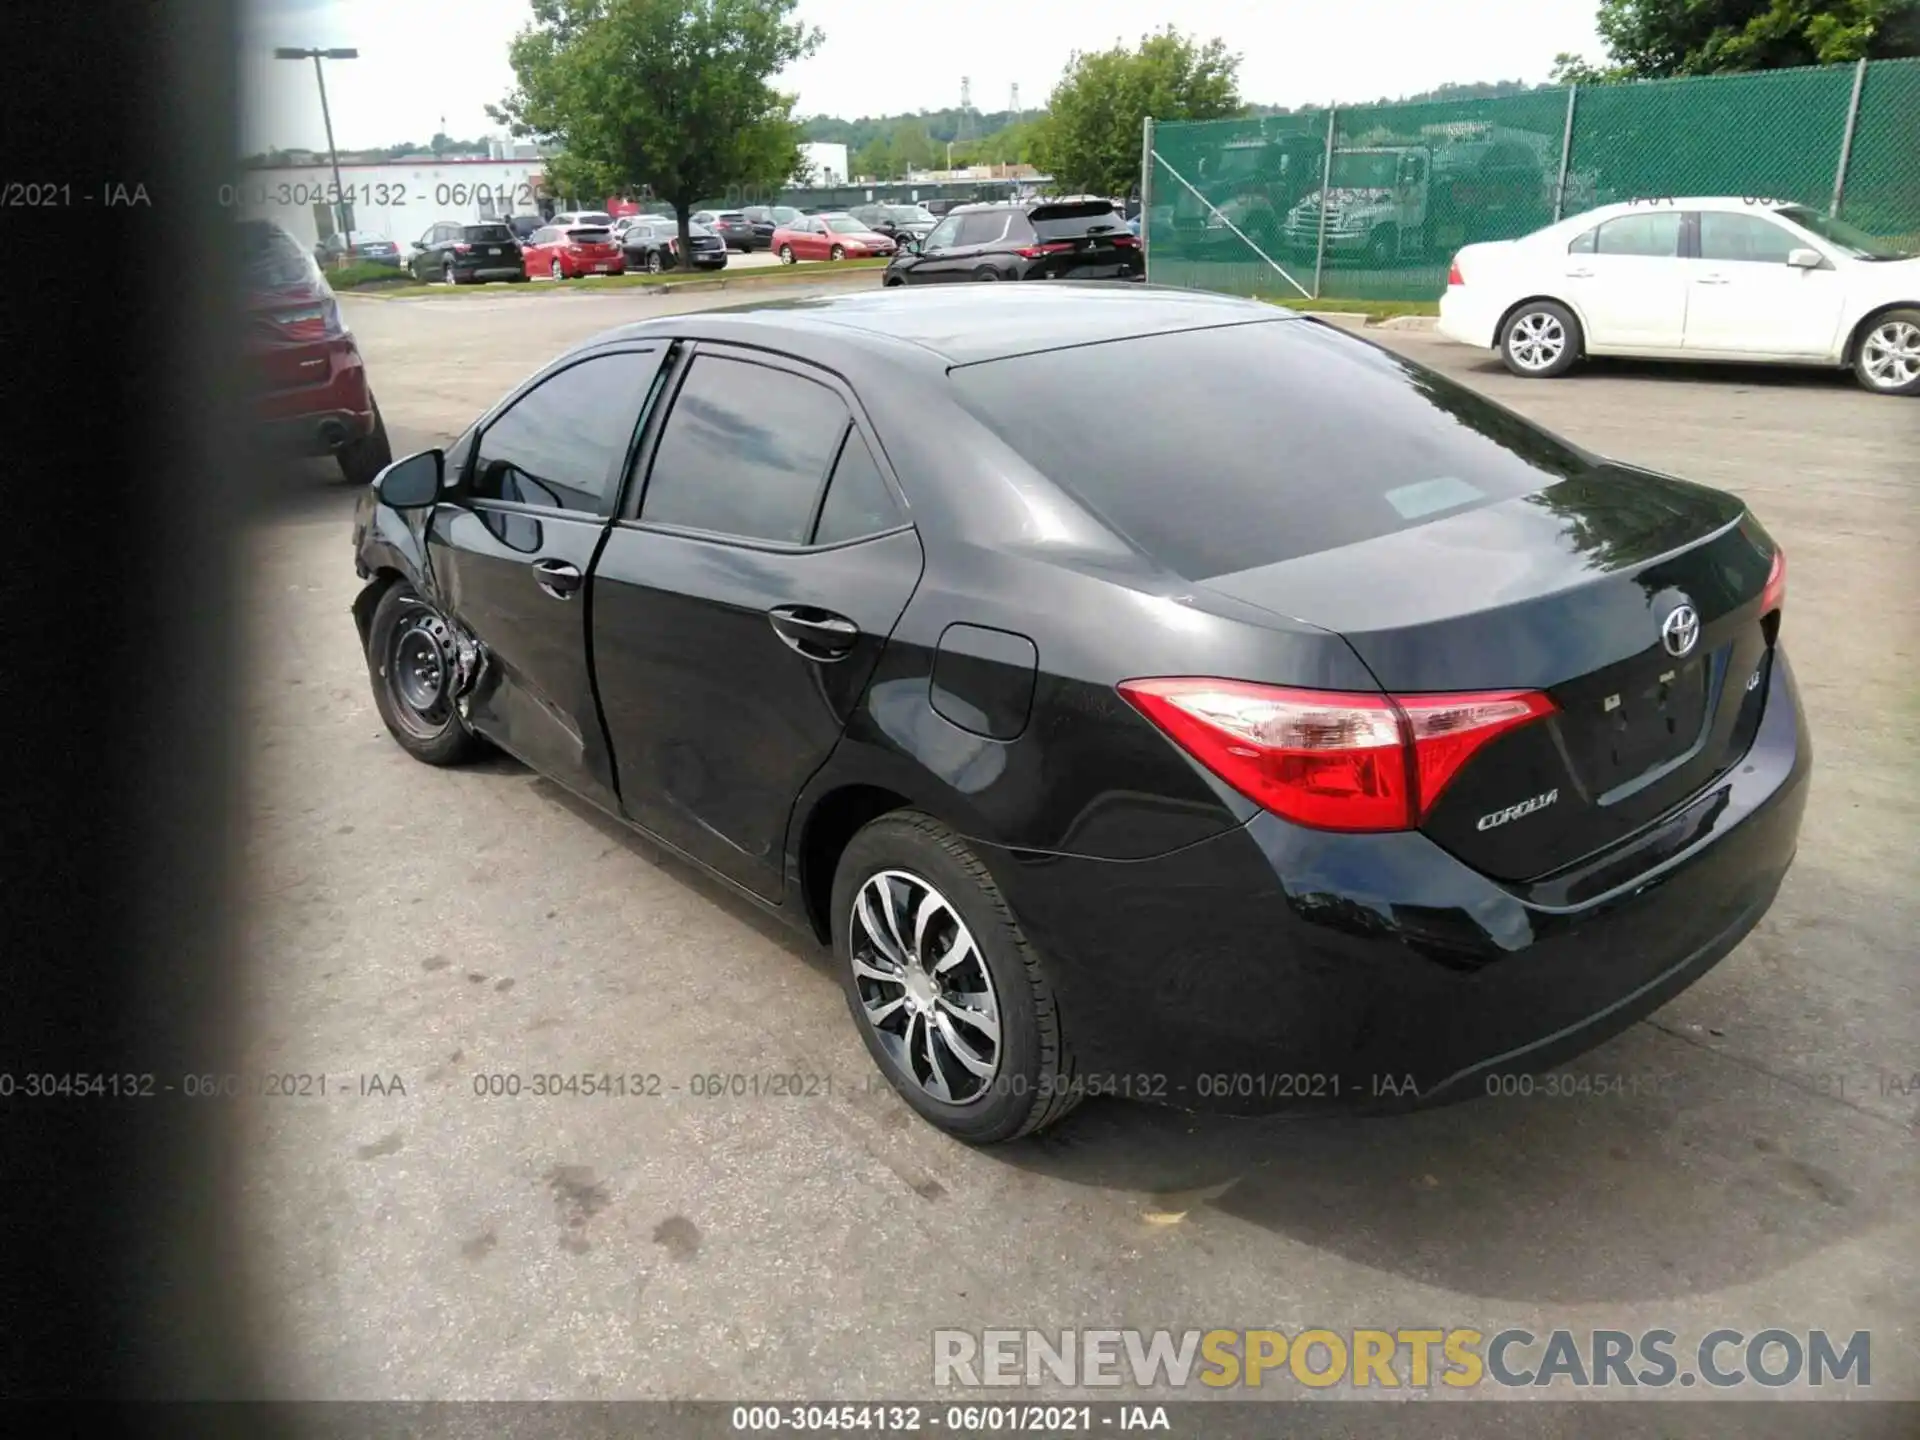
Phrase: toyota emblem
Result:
[1680,631]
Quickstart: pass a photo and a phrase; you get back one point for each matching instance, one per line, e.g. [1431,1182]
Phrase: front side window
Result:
[944,233]
[1729,236]
[561,444]
[744,452]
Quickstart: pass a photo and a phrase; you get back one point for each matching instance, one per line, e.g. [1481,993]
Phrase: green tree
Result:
[666,95]
[1090,138]
[1647,39]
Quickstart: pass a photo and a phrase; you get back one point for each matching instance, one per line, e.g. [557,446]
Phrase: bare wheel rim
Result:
[786,255]
[449,272]
[1536,340]
[558,274]
[1892,354]
[654,262]
[419,671]
[924,987]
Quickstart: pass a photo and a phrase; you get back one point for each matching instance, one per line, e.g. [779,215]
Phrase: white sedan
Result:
[1715,278]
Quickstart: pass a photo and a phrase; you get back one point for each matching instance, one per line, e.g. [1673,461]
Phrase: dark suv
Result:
[1076,239]
[467,254]
[763,220]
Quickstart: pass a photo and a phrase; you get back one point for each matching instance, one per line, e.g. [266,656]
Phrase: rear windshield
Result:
[488,234]
[1220,450]
[274,260]
[1062,222]
[595,217]
[589,235]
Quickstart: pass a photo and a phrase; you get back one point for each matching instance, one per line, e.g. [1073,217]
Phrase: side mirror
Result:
[1805,259]
[418,244]
[413,483]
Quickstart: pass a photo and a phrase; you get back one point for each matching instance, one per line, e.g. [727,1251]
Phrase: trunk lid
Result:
[1566,591]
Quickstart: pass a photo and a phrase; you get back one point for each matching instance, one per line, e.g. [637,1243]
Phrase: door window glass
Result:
[558,444]
[858,500]
[1655,234]
[1726,236]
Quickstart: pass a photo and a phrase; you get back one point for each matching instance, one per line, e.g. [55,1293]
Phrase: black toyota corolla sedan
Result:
[1143,692]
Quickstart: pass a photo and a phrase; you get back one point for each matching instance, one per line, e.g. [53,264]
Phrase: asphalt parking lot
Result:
[441,928]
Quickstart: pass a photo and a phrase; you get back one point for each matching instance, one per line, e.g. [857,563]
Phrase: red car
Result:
[310,385]
[568,251]
[833,236]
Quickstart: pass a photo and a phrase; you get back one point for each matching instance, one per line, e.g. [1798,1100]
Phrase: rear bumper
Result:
[1466,319]
[318,419]
[1274,968]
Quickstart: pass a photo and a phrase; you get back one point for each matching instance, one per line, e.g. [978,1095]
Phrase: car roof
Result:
[959,325]
[1682,202]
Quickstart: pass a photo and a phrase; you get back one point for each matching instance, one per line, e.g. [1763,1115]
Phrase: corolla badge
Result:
[1514,812]
[1680,631]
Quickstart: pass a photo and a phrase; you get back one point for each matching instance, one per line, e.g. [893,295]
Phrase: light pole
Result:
[342,209]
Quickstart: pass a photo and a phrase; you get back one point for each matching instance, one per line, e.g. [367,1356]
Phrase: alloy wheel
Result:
[1891,354]
[925,989]
[1536,340]
[419,671]
[558,273]
[448,273]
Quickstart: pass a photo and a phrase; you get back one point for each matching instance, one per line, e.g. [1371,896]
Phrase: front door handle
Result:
[559,579]
[1710,280]
[1579,274]
[815,633]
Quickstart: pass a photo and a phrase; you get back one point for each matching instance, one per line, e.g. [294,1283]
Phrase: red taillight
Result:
[462,249]
[1330,760]
[1126,242]
[1454,277]
[1034,252]
[1773,594]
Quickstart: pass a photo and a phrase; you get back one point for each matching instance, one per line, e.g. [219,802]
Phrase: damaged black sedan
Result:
[1145,693]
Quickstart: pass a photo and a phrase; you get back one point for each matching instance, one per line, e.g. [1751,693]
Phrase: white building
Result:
[828,163]
[396,200]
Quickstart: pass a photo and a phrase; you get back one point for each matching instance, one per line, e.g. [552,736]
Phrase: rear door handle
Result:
[1579,274]
[815,633]
[558,578]
[1710,280]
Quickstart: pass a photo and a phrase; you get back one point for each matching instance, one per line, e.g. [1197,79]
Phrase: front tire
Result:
[410,663]
[786,255]
[837,253]
[1887,359]
[654,265]
[952,1002]
[361,460]
[1540,340]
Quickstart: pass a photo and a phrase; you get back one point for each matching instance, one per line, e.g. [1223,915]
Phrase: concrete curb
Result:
[1410,322]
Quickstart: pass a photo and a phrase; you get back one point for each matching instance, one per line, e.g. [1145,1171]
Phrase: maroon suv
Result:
[311,393]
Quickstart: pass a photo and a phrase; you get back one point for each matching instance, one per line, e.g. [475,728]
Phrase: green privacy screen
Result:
[1265,206]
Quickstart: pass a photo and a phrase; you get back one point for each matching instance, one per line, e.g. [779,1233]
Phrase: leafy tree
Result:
[1647,39]
[665,95]
[1090,138]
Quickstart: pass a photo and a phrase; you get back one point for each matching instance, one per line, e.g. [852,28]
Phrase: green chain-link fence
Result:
[1371,201]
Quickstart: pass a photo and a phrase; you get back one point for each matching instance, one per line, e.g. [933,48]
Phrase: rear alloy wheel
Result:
[1887,361]
[986,272]
[447,274]
[654,267]
[410,657]
[558,271]
[1540,340]
[837,253]
[786,255]
[950,999]
[361,460]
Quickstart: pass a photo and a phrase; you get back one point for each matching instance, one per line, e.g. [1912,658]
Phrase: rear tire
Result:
[1887,359]
[1540,340]
[405,641]
[446,274]
[361,460]
[974,960]
[786,255]
[986,272]
[558,271]
[654,265]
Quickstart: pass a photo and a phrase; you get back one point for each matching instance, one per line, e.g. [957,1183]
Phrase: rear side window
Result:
[1655,234]
[744,452]
[982,229]
[858,500]
[1070,222]
[1220,450]
[561,443]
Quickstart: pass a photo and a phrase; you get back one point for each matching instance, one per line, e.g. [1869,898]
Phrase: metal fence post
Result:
[1146,196]
[1846,141]
[1566,158]
[1326,184]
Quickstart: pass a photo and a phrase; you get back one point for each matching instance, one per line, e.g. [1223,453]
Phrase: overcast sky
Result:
[422,60]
